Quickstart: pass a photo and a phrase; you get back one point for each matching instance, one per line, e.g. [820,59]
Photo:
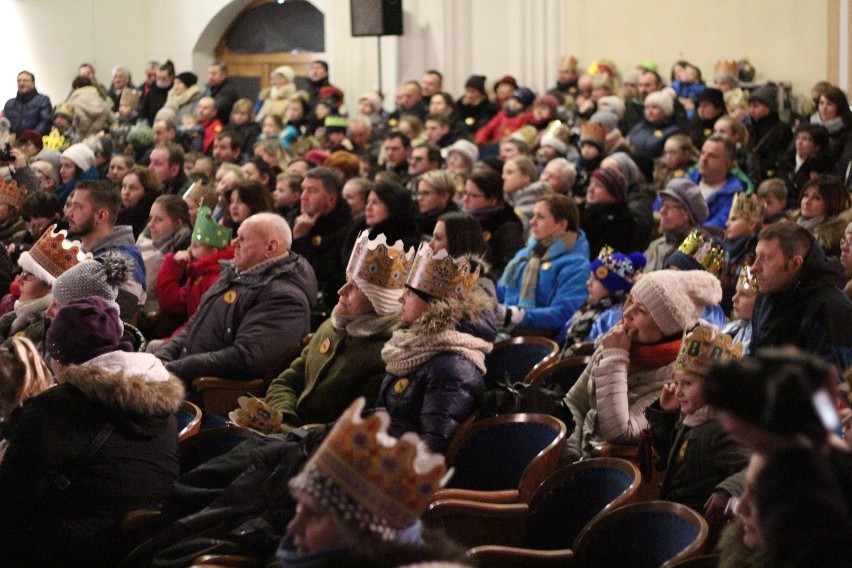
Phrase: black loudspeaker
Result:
[376,17]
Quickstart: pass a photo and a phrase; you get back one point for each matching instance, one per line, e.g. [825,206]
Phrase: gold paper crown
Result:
[726,66]
[379,264]
[746,207]
[440,275]
[386,483]
[705,251]
[11,194]
[559,131]
[703,345]
[54,141]
[52,254]
[747,280]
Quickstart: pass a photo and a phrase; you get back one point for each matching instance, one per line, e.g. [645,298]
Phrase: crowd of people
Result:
[684,234]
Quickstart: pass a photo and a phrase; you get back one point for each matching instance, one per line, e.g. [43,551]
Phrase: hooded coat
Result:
[91,111]
[43,525]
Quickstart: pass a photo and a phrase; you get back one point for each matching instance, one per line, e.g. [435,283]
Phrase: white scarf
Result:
[406,351]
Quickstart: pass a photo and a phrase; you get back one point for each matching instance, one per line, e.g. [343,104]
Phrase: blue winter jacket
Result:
[719,202]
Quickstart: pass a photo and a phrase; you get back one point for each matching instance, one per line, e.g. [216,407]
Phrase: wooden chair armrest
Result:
[227,561]
[219,396]
[473,524]
[205,383]
[496,555]
[500,497]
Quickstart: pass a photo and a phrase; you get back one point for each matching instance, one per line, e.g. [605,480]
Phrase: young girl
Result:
[701,458]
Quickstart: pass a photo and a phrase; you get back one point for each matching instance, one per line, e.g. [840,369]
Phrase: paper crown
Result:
[54,141]
[66,108]
[703,345]
[380,264]
[705,251]
[440,275]
[593,132]
[196,191]
[370,479]
[556,134]
[525,134]
[208,232]
[335,122]
[726,66]
[12,194]
[52,254]
[746,207]
[747,280]
[616,271]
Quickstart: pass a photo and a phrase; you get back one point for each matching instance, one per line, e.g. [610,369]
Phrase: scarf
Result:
[406,351]
[833,125]
[172,241]
[809,224]
[175,101]
[699,417]
[583,319]
[367,325]
[540,253]
[656,355]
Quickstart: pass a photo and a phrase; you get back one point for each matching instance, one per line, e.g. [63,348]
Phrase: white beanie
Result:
[662,100]
[466,148]
[384,300]
[612,103]
[81,155]
[675,299]
[285,71]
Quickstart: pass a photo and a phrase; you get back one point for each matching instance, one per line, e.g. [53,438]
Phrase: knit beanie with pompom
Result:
[675,299]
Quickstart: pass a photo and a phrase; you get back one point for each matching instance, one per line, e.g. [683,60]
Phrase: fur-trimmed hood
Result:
[474,315]
[121,382]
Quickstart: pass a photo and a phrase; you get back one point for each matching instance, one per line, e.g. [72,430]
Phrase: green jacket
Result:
[336,367]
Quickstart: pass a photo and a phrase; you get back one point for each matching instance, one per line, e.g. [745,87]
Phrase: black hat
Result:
[713,96]
[767,94]
[188,78]
[476,82]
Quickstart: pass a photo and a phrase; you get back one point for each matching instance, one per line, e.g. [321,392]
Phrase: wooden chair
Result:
[502,556]
[211,443]
[583,348]
[227,561]
[642,535]
[189,420]
[517,357]
[563,373]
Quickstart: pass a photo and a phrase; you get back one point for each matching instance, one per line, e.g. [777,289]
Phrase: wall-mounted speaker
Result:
[376,17]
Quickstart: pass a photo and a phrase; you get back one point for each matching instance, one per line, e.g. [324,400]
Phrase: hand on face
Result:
[618,338]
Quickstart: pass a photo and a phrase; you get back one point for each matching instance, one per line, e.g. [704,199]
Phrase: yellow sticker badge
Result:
[325,345]
[230,296]
[546,265]
[486,236]
[658,133]
[400,386]
[317,240]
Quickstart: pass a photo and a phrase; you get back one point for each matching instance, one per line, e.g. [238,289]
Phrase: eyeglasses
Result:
[846,242]
[26,275]
[469,195]
[425,193]
[416,159]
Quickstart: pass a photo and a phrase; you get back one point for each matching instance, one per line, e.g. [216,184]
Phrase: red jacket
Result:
[212,128]
[501,126]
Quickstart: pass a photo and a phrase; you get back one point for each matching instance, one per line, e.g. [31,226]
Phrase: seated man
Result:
[259,308]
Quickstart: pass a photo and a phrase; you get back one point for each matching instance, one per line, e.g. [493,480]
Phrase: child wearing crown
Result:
[743,308]
[743,225]
[702,460]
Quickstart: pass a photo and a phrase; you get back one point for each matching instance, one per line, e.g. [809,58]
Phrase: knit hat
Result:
[689,196]
[662,100]
[335,124]
[713,96]
[593,133]
[524,96]
[466,148]
[100,277]
[285,71]
[613,181]
[703,345]
[507,79]
[208,232]
[81,155]
[476,82]
[369,480]
[628,167]
[316,156]
[85,329]
[675,299]
[52,254]
[188,78]
[612,103]
[548,100]
[767,94]
[333,94]
[616,271]
[373,98]
[700,251]
[380,270]
[31,136]
[607,118]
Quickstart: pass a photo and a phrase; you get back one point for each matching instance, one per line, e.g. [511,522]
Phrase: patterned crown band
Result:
[705,251]
[12,194]
[746,207]
[380,264]
[703,345]
[440,275]
[52,254]
[747,280]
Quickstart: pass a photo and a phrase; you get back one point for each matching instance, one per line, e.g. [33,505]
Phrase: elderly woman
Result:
[273,99]
[436,361]
[545,282]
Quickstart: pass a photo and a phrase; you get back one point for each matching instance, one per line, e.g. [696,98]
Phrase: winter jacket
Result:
[501,126]
[523,201]
[503,233]
[29,111]
[337,366]
[699,459]
[152,255]
[609,399]
[769,138]
[180,285]
[814,315]
[247,322]
[474,117]
[275,101]
[12,229]
[153,100]
[608,224]
[561,287]
[426,222]
[91,111]
[719,202]
[138,215]
[225,94]
[43,525]
[131,294]
[648,138]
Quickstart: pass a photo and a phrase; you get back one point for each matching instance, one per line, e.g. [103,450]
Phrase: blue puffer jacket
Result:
[31,111]
[719,202]
[561,287]
[648,138]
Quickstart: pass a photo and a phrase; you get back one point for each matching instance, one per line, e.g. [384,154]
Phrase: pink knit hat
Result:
[675,299]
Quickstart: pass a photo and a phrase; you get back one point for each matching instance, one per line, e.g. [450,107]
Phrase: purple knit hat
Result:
[85,329]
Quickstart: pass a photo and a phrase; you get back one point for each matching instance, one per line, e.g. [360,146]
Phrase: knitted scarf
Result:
[540,254]
[406,351]
[583,319]
[655,355]
[833,125]
[811,223]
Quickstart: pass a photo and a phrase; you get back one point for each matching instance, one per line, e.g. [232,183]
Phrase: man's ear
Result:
[797,261]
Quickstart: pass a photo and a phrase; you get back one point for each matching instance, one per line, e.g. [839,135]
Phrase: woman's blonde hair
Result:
[23,374]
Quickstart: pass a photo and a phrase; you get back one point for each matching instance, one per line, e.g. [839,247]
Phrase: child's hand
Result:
[182,256]
[668,400]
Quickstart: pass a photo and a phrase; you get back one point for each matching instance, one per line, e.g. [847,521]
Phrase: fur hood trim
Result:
[127,393]
[829,232]
[445,315]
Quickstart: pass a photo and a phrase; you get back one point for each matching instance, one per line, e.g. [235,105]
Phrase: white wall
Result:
[460,37]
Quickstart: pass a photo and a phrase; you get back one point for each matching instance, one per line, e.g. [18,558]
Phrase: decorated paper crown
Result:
[11,194]
[747,280]
[726,66]
[703,345]
[66,108]
[556,135]
[440,275]
[746,207]
[709,254]
[380,264]
[196,191]
[52,254]
[594,133]
[54,141]
[616,271]
[208,232]
[370,479]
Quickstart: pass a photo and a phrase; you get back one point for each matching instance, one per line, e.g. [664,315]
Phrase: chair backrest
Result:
[642,535]
[211,443]
[563,373]
[506,452]
[517,357]
[189,420]
[573,496]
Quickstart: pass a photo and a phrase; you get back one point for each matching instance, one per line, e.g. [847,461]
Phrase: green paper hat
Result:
[208,232]
[337,123]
